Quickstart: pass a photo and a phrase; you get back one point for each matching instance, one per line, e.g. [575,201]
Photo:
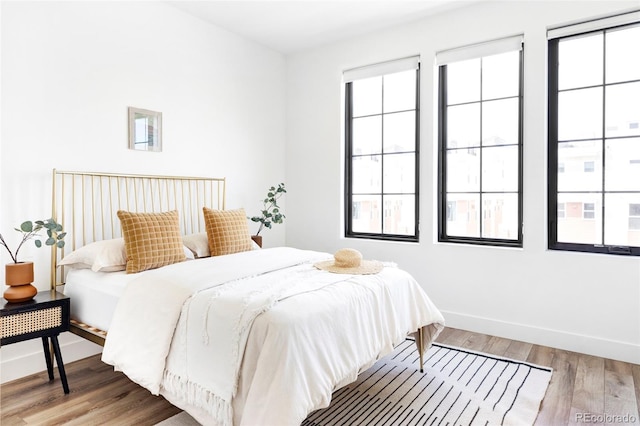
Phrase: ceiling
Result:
[294,25]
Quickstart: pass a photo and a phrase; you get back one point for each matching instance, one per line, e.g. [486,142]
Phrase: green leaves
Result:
[271,211]
[30,230]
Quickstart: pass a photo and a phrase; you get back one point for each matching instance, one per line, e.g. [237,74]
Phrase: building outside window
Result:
[480,143]
[382,108]
[594,103]
[634,217]
[561,210]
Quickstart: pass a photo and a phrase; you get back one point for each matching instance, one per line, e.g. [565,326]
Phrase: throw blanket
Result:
[225,301]
[260,337]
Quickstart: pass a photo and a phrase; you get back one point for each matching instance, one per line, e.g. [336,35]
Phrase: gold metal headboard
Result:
[86,204]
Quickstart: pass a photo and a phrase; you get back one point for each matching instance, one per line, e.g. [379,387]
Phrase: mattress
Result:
[94,295]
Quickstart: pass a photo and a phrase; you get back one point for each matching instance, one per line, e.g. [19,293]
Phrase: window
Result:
[594,101]
[560,167]
[634,217]
[588,211]
[561,211]
[480,144]
[381,134]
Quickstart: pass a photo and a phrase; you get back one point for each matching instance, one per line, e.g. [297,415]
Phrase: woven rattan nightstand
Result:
[45,316]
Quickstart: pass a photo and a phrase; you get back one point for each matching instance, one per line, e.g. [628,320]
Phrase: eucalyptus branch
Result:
[4,243]
[270,212]
[31,230]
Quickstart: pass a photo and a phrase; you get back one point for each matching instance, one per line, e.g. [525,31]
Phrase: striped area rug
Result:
[458,387]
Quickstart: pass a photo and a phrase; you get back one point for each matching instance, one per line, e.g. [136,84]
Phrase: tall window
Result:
[594,108]
[480,144]
[382,118]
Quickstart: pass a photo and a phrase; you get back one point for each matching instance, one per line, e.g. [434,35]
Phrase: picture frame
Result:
[145,130]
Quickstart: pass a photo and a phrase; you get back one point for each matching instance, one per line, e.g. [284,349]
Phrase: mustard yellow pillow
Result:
[151,240]
[227,231]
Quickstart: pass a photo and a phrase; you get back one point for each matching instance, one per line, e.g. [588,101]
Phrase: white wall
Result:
[581,302]
[68,72]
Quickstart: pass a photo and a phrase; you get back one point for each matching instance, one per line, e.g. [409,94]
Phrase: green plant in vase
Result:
[19,275]
[270,212]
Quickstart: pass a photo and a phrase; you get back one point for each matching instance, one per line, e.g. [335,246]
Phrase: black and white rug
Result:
[458,387]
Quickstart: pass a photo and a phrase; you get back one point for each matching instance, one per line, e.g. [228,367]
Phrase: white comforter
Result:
[261,337]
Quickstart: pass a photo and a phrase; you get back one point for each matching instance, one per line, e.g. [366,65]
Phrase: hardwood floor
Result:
[584,390]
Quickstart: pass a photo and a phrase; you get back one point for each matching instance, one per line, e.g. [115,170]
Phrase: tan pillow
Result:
[151,240]
[227,231]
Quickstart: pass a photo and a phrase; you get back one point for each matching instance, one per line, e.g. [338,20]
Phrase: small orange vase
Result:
[19,276]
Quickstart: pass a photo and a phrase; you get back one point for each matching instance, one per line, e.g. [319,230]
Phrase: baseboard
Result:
[590,345]
[26,358]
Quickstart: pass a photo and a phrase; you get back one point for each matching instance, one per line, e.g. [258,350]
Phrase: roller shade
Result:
[382,68]
[494,47]
[594,25]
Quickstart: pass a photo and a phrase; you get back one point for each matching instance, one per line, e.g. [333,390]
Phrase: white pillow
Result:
[188,253]
[198,244]
[99,256]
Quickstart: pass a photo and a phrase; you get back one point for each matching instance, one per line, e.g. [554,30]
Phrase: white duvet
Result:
[260,337]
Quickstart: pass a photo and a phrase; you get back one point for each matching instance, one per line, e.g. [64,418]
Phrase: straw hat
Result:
[349,261]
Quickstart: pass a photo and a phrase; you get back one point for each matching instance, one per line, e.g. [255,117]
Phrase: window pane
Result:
[399,215]
[620,226]
[400,132]
[500,75]
[463,170]
[578,157]
[367,135]
[580,114]
[500,216]
[623,109]
[367,96]
[399,173]
[463,126]
[574,227]
[463,82]
[622,173]
[366,214]
[623,61]
[580,61]
[463,221]
[500,168]
[367,174]
[400,91]
[500,122]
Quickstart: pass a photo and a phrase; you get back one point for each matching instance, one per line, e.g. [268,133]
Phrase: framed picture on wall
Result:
[145,130]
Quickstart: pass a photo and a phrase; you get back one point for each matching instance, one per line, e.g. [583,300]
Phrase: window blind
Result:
[382,68]
[593,25]
[479,50]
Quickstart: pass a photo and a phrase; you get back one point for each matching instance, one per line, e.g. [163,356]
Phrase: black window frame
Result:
[442,169]
[552,153]
[348,195]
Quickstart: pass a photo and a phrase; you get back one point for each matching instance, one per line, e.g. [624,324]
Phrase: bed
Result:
[254,336]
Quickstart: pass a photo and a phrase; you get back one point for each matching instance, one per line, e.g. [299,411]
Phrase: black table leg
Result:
[47,357]
[63,375]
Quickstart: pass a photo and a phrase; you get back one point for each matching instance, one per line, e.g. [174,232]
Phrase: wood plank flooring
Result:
[584,390]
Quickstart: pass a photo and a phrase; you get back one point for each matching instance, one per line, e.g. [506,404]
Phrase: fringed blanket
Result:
[184,331]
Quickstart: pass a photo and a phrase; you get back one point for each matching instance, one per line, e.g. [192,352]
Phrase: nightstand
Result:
[45,316]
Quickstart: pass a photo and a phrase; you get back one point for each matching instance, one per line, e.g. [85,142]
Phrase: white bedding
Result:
[95,295]
[230,343]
